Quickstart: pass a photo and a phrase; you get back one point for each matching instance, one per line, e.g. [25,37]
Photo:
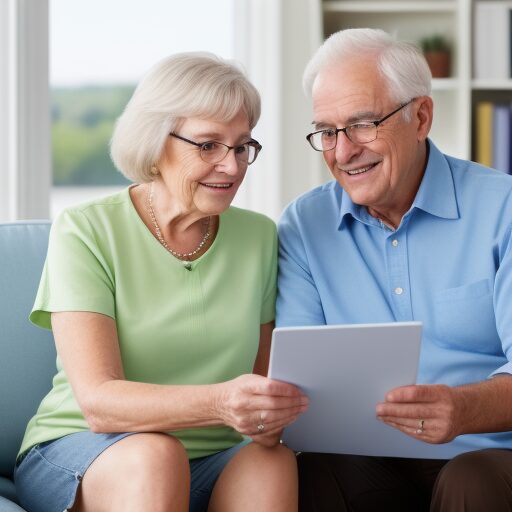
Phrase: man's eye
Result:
[326,134]
[241,149]
[209,146]
[362,126]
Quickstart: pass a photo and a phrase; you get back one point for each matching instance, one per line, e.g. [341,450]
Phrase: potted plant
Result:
[437,54]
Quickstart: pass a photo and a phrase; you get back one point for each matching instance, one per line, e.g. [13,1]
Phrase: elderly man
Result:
[404,233]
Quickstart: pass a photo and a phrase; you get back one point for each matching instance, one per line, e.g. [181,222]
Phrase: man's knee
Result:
[479,479]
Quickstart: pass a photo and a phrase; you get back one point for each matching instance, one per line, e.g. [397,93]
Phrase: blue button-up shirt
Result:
[448,265]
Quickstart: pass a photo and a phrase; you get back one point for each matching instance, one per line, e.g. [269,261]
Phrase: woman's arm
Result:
[87,344]
[263,355]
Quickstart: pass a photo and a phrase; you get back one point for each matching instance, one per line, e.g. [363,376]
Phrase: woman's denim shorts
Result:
[48,476]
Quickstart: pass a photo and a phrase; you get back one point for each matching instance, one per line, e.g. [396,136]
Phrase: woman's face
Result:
[198,186]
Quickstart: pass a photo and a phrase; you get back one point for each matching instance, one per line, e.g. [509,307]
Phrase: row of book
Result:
[493,135]
[493,40]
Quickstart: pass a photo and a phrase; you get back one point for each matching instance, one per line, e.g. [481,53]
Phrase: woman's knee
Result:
[148,464]
[155,446]
[149,454]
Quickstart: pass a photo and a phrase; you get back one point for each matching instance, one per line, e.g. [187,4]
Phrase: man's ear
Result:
[423,116]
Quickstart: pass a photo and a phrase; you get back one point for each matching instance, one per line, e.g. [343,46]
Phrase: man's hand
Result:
[431,413]
[437,414]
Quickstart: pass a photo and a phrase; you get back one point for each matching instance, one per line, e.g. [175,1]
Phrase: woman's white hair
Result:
[401,65]
[192,84]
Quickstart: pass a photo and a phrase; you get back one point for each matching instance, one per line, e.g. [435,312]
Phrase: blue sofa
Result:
[27,353]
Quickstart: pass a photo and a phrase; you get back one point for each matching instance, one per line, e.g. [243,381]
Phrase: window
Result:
[98,52]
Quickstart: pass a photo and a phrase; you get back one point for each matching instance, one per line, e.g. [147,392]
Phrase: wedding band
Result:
[261,426]
[420,427]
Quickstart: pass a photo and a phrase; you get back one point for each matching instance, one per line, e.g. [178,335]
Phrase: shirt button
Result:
[399,290]
[394,243]
[187,266]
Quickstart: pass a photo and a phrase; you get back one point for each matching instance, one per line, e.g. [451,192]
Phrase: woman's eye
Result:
[209,146]
[241,149]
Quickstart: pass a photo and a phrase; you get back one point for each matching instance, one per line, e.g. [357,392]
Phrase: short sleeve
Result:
[269,294]
[76,274]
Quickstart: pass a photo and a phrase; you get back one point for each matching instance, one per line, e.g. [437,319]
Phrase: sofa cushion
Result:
[27,353]
[7,489]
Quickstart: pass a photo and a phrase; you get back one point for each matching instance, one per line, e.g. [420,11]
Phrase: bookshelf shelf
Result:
[411,21]
[480,34]
[491,85]
[387,7]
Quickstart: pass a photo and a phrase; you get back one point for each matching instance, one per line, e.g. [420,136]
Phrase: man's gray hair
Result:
[402,66]
[192,84]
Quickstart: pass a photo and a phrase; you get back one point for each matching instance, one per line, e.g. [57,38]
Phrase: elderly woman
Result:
[161,301]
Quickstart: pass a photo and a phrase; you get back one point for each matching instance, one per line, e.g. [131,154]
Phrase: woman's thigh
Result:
[48,477]
[146,471]
[258,478]
[204,474]
[77,470]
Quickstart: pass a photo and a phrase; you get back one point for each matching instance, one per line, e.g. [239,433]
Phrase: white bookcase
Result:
[411,20]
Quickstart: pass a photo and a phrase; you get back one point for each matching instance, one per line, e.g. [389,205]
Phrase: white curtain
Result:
[274,40]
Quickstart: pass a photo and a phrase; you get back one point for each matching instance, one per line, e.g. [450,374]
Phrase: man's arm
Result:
[298,300]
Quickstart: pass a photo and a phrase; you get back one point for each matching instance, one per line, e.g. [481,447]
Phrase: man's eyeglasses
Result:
[213,152]
[359,133]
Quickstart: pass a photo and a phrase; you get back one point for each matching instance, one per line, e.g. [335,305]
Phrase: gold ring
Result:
[420,427]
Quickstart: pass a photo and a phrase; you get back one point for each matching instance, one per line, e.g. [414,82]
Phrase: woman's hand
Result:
[259,407]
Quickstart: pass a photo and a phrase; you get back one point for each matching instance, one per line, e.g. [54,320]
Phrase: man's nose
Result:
[345,149]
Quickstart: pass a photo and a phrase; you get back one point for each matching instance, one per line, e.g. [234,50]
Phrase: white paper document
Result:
[346,370]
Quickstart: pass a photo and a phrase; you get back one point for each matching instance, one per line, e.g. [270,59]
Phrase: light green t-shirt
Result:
[175,326]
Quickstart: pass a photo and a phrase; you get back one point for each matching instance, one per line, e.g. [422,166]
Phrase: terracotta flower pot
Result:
[439,63]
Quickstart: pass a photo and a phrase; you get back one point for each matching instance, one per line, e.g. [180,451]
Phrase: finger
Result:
[406,411]
[269,430]
[271,424]
[281,421]
[272,403]
[267,440]
[416,424]
[414,431]
[266,386]
[415,393]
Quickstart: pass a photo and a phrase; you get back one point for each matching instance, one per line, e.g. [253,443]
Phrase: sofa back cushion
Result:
[27,353]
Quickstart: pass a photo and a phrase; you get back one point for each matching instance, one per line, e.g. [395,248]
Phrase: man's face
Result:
[385,174]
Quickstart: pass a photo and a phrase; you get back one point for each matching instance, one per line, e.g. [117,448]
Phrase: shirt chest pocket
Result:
[464,317]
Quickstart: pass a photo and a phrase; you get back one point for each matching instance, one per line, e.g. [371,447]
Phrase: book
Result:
[484,132]
[492,54]
[501,138]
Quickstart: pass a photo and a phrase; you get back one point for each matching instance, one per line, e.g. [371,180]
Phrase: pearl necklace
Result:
[160,237]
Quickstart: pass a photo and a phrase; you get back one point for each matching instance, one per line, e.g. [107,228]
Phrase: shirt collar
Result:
[436,194]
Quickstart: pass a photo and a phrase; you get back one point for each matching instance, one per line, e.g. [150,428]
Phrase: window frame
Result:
[25,148]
